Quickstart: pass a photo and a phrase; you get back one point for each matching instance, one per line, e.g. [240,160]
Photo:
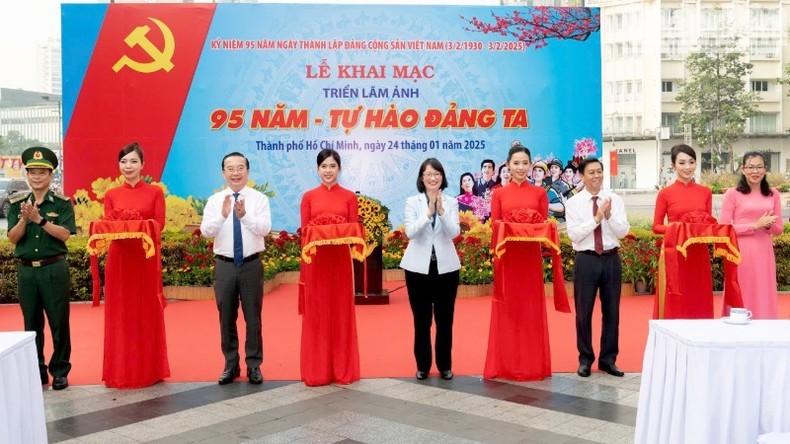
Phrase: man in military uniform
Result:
[39,223]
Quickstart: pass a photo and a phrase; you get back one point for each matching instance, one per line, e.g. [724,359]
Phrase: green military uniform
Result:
[43,273]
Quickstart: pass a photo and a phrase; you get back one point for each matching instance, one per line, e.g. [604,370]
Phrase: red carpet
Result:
[385,337]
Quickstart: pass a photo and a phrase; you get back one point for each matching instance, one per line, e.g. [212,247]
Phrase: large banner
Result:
[385,86]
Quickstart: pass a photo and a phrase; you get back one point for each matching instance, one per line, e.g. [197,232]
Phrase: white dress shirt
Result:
[423,237]
[256,223]
[580,221]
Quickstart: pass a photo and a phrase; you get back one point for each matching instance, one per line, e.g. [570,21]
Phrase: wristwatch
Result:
[43,222]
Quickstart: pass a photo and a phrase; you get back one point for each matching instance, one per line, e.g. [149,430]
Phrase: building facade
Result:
[644,46]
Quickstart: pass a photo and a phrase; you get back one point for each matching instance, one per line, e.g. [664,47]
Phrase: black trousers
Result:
[432,297]
[233,285]
[590,274]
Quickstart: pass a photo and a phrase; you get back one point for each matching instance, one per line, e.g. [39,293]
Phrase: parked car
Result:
[9,187]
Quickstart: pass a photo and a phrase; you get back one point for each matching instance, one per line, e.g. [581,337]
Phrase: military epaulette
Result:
[18,197]
[61,196]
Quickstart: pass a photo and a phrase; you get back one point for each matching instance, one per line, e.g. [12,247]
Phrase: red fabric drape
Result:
[678,238]
[544,233]
[103,232]
[314,236]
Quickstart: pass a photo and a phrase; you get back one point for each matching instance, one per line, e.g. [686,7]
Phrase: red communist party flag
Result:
[134,88]
[613,162]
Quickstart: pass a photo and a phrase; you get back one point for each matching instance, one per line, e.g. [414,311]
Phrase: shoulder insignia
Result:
[61,196]
[19,197]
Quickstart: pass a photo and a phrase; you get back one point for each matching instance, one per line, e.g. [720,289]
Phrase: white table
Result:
[706,381]
[21,401]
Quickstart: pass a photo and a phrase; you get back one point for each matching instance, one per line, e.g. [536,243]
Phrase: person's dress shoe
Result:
[229,375]
[254,375]
[611,369]
[59,383]
[421,375]
[584,370]
[446,374]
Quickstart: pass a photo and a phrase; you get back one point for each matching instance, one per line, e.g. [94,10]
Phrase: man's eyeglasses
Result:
[754,168]
[238,169]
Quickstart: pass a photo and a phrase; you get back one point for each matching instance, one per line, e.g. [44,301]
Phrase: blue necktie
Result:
[238,248]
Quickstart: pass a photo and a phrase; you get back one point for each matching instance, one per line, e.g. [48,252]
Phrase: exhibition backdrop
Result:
[387,86]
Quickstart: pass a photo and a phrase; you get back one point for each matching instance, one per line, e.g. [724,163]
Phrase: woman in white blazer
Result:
[432,265]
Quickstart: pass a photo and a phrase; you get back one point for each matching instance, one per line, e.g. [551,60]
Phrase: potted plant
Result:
[639,252]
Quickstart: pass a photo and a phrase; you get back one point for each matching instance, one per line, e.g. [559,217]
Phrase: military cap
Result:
[555,161]
[540,164]
[39,157]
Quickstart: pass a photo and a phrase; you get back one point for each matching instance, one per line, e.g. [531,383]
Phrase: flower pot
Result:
[640,287]
[188,293]
[396,274]
[475,291]
[190,228]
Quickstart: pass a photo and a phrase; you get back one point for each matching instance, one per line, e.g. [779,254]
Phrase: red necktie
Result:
[598,232]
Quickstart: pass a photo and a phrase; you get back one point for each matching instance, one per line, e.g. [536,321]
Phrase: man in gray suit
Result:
[238,217]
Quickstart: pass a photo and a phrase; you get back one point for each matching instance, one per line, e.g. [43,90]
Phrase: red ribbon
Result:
[680,236]
[103,232]
[316,236]
[544,233]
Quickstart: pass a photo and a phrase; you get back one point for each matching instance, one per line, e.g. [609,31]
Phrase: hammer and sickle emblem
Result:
[160,59]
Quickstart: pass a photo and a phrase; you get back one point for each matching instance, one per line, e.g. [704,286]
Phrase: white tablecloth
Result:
[706,381]
[21,401]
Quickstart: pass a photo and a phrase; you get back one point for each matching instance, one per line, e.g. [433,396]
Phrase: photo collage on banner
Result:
[386,86]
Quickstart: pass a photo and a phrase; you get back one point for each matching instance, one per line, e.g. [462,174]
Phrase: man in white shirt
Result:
[238,217]
[595,220]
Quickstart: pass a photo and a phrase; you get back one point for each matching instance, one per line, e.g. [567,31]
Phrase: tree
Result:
[14,142]
[714,99]
[536,26]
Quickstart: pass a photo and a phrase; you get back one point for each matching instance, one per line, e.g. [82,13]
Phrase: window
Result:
[764,47]
[638,124]
[672,121]
[763,123]
[764,19]
[760,85]
[666,86]
[716,19]
[670,18]
[670,48]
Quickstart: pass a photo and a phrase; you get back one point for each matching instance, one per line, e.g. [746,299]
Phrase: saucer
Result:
[730,321]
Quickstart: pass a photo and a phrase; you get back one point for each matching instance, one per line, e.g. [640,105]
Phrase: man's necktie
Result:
[238,247]
[598,232]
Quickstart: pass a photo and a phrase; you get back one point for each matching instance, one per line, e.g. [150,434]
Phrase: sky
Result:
[26,23]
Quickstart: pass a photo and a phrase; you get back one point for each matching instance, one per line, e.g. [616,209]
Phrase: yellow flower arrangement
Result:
[86,210]
[373,215]
[468,220]
[482,231]
[101,185]
[180,211]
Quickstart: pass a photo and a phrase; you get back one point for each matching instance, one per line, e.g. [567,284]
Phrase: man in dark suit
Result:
[486,181]
[238,217]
